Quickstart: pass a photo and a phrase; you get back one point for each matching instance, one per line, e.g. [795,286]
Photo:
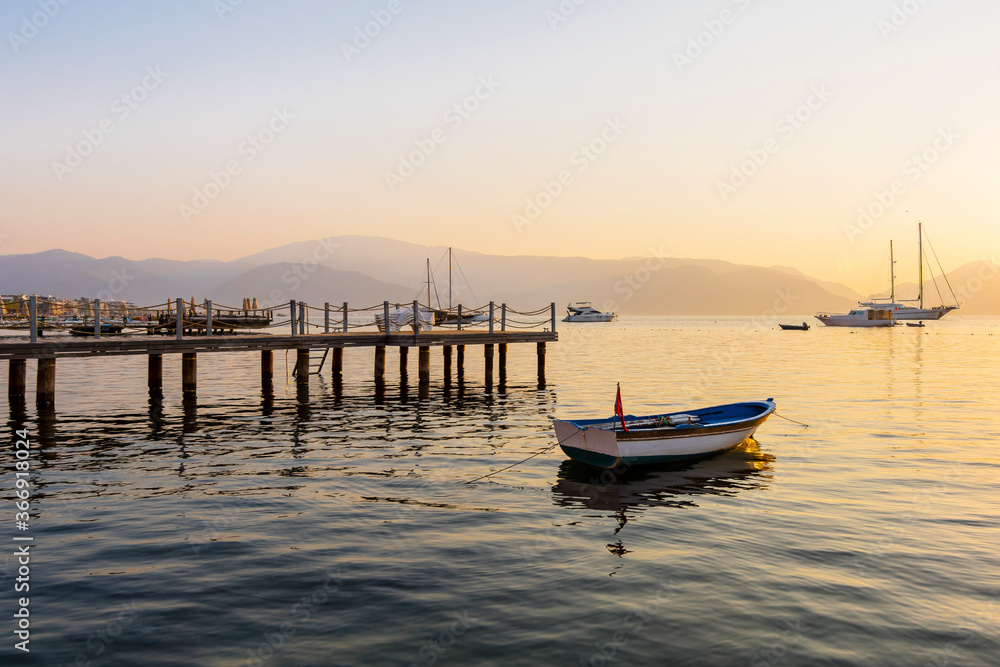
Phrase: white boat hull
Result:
[844,321]
[913,313]
[602,317]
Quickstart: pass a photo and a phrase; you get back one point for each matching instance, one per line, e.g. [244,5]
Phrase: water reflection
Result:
[726,474]
[637,490]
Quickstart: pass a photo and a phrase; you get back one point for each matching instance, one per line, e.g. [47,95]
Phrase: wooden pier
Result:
[330,343]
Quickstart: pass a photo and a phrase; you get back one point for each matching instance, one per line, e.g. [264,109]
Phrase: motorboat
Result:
[583,311]
[859,317]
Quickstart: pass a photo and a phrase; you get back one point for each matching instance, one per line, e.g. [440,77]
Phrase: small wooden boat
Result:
[794,327]
[918,324]
[661,438]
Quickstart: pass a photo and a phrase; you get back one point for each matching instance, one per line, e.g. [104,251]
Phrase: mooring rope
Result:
[497,472]
[791,420]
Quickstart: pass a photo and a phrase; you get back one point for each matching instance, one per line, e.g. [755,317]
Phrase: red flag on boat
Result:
[618,408]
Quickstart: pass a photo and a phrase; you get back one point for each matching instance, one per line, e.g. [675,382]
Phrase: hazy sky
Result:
[746,130]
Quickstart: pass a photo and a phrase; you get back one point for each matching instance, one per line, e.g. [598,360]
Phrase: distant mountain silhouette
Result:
[365,270]
[274,284]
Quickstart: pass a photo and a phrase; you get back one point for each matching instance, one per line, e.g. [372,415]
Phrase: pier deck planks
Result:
[133,345]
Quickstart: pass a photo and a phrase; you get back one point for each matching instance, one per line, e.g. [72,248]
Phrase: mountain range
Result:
[365,271]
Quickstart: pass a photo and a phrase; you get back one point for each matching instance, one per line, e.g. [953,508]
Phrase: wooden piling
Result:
[337,365]
[154,376]
[460,363]
[447,364]
[541,363]
[488,354]
[266,366]
[189,372]
[45,389]
[404,353]
[503,363]
[302,365]
[425,365]
[17,378]
[380,363]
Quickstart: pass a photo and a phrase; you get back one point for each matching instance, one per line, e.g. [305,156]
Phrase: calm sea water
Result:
[339,529]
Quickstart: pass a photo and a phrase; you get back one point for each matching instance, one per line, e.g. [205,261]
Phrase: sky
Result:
[764,132]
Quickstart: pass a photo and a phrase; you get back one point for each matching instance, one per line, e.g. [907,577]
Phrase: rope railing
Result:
[110,318]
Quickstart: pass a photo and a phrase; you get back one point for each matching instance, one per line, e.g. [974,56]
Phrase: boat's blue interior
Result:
[718,414]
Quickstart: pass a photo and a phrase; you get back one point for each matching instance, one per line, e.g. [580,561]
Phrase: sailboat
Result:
[450,317]
[874,315]
[901,309]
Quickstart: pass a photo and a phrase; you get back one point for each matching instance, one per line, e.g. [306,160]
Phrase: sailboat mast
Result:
[920,245]
[892,276]
[428,284]
[449,278]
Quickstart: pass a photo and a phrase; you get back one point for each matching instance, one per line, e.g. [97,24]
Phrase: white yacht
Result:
[859,317]
[903,309]
[584,312]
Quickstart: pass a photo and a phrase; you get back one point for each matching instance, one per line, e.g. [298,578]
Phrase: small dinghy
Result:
[629,440]
[794,327]
[915,324]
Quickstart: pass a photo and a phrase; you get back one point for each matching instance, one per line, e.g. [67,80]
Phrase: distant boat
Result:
[859,317]
[902,311]
[661,438]
[795,327]
[918,324]
[584,312]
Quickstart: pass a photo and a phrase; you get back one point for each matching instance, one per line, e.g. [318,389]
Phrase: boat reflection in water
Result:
[728,473]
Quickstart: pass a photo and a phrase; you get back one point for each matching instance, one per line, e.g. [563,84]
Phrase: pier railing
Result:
[177,327]
[180,318]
